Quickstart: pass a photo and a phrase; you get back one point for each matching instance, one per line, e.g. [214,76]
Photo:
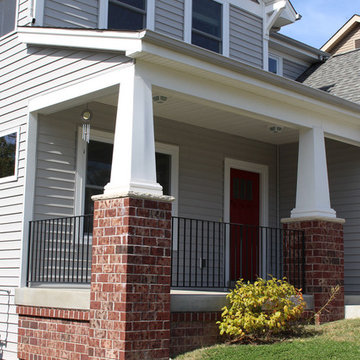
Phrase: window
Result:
[163,172]
[127,14]
[275,64]
[98,168]
[7,16]
[207,24]
[8,156]
[94,169]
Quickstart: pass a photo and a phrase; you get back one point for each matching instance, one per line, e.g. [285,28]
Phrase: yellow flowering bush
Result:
[261,309]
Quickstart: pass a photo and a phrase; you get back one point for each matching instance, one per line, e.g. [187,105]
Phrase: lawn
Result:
[339,340]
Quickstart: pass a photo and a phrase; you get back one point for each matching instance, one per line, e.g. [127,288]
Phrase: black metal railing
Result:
[60,250]
[210,254]
[205,254]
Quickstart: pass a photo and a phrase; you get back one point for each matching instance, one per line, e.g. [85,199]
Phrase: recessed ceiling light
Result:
[159,99]
[275,129]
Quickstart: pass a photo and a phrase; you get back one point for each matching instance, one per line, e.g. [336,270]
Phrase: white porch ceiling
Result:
[197,112]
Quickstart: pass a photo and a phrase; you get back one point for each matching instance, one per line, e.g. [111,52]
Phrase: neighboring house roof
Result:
[339,75]
[341,34]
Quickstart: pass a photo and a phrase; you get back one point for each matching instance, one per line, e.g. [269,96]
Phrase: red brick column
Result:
[324,263]
[130,283]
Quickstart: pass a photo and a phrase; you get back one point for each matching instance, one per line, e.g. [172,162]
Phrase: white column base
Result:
[298,213]
[136,187]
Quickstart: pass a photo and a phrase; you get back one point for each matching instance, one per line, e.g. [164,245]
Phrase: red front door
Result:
[244,210]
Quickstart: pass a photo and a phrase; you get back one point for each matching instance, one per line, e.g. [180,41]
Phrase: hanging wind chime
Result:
[86,117]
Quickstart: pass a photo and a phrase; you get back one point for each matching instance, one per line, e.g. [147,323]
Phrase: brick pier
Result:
[130,284]
[324,263]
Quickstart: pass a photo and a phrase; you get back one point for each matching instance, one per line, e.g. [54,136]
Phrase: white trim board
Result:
[29,190]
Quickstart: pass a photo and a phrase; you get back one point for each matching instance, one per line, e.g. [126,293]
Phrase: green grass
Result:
[339,340]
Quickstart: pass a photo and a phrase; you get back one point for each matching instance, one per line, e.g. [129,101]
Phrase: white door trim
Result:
[263,171]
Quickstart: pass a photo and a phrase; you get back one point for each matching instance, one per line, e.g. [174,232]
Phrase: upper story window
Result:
[275,64]
[207,24]
[127,14]
[7,16]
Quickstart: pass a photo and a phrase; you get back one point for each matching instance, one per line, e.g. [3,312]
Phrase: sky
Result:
[320,19]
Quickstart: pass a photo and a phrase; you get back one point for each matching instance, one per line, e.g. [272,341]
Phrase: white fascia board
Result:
[259,82]
[190,59]
[85,39]
[293,50]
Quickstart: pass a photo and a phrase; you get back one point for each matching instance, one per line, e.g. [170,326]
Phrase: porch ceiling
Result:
[205,114]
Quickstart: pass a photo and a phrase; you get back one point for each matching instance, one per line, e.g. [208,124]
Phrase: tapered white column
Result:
[312,192]
[133,166]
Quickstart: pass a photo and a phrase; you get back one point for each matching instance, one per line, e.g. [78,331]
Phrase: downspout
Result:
[271,14]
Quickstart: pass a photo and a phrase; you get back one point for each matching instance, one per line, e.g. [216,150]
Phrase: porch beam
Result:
[312,192]
[133,166]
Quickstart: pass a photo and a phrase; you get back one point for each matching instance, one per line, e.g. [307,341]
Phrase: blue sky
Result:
[320,19]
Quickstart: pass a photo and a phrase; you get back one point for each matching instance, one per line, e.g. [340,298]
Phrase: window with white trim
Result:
[9,144]
[275,64]
[7,16]
[127,14]
[94,168]
[206,30]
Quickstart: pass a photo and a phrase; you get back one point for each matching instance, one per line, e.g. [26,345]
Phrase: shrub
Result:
[261,309]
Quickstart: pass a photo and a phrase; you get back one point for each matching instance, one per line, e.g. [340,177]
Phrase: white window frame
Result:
[225,24]
[16,21]
[81,156]
[279,63]
[103,14]
[173,151]
[15,176]
[108,137]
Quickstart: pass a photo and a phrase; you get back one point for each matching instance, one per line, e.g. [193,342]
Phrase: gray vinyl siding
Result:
[201,180]
[71,13]
[292,70]
[287,180]
[201,166]
[169,18]
[344,181]
[246,37]
[56,158]
[25,73]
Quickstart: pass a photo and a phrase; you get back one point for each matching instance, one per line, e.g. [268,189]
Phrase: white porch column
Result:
[133,166]
[312,193]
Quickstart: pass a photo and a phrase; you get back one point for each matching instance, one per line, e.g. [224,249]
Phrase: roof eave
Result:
[133,44]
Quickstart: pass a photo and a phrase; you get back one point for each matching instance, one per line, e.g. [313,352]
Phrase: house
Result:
[183,155]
